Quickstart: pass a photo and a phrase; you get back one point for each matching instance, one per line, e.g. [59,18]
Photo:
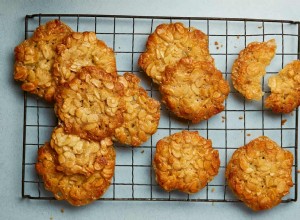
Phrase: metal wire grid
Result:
[240,122]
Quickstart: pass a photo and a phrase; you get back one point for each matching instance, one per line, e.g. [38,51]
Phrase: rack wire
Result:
[240,122]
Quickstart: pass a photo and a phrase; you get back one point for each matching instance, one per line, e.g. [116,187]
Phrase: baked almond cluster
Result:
[94,104]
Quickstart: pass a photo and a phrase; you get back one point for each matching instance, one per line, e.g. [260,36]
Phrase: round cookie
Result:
[77,189]
[249,68]
[194,90]
[185,161]
[141,116]
[79,156]
[285,89]
[82,49]
[168,44]
[91,104]
[34,59]
[259,173]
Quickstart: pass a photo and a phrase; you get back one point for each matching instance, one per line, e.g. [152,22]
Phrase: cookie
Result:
[141,116]
[79,156]
[194,90]
[260,173]
[185,161]
[77,189]
[82,49]
[249,68]
[91,104]
[285,89]
[168,44]
[35,56]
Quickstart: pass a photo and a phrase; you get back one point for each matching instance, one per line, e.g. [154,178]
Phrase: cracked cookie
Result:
[249,68]
[285,89]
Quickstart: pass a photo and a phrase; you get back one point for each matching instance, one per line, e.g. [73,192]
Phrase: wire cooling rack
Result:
[240,122]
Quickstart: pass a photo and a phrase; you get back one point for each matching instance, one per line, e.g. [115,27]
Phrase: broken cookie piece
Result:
[249,68]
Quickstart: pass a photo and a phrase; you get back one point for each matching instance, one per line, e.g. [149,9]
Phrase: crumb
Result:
[223,119]
[217,48]
[221,45]
[213,189]
[248,134]
[62,210]
[298,171]
[283,121]
[142,151]
[259,27]
[237,37]
[216,43]
[241,117]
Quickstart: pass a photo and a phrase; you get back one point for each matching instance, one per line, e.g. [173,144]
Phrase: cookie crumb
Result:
[283,121]
[142,151]
[241,117]
[259,27]
[216,43]
[223,119]
[213,189]
[248,135]
[237,37]
[218,48]
[62,210]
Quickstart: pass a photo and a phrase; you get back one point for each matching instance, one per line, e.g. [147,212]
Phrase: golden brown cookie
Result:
[35,56]
[141,116]
[194,90]
[249,68]
[77,189]
[77,155]
[91,104]
[285,89]
[82,49]
[168,44]
[185,161]
[260,173]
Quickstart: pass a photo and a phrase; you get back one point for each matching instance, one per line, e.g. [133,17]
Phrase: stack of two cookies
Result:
[94,104]
[177,58]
